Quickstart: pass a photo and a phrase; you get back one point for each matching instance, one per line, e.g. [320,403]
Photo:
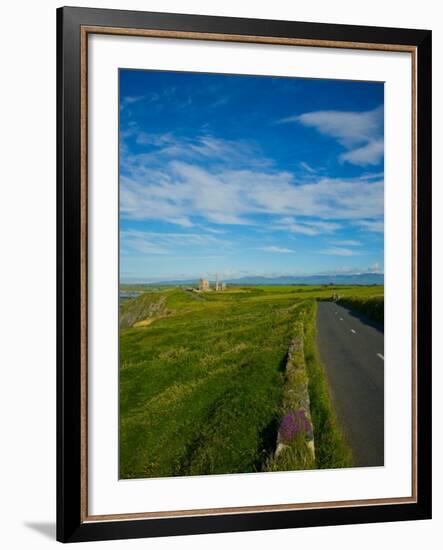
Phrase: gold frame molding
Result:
[84,34]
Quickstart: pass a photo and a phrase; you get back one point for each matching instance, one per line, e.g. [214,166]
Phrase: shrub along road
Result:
[352,351]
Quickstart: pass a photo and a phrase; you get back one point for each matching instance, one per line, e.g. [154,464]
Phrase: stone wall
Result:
[296,421]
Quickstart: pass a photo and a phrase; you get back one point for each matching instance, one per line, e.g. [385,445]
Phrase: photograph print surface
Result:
[251,274]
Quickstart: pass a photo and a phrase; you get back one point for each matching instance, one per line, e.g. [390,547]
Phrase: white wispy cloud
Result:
[129,101]
[371,153]
[214,230]
[308,227]
[161,147]
[278,249]
[348,242]
[158,140]
[140,243]
[308,167]
[149,242]
[220,101]
[376,226]
[214,181]
[361,133]
[182,190]
[349,128]
[337,251]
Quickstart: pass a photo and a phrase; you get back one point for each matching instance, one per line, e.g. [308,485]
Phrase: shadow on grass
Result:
[282,365]
[267,442]
[363,318]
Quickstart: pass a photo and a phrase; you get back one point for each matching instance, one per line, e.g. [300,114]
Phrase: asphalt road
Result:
[352,350]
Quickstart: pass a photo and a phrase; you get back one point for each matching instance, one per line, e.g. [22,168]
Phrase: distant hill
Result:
[338,279]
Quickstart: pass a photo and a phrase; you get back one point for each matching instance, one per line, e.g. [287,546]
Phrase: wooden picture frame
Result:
[74,25]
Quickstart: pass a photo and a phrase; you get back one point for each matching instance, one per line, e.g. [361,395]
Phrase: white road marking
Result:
[341,318]
[353,331]
[381,356]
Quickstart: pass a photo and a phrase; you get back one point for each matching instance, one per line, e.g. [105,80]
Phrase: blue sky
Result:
[249,175]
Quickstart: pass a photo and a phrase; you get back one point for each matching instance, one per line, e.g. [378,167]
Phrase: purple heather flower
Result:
[293,423]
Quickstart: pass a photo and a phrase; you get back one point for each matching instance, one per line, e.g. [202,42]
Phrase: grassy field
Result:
[201,378]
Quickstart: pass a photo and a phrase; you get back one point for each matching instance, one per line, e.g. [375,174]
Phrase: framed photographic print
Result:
[244,274]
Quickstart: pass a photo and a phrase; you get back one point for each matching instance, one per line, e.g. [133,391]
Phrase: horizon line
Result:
[236,278]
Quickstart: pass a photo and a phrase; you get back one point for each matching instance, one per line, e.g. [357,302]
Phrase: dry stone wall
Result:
[296,413]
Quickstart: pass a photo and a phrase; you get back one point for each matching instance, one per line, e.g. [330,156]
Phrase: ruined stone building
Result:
[203,284]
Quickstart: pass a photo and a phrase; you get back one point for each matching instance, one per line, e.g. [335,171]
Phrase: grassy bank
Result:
[372,307]
[331,450]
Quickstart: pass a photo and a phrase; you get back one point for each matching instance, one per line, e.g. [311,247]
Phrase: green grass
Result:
[296,456]
[201,385]
[322,291]
[373,306]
